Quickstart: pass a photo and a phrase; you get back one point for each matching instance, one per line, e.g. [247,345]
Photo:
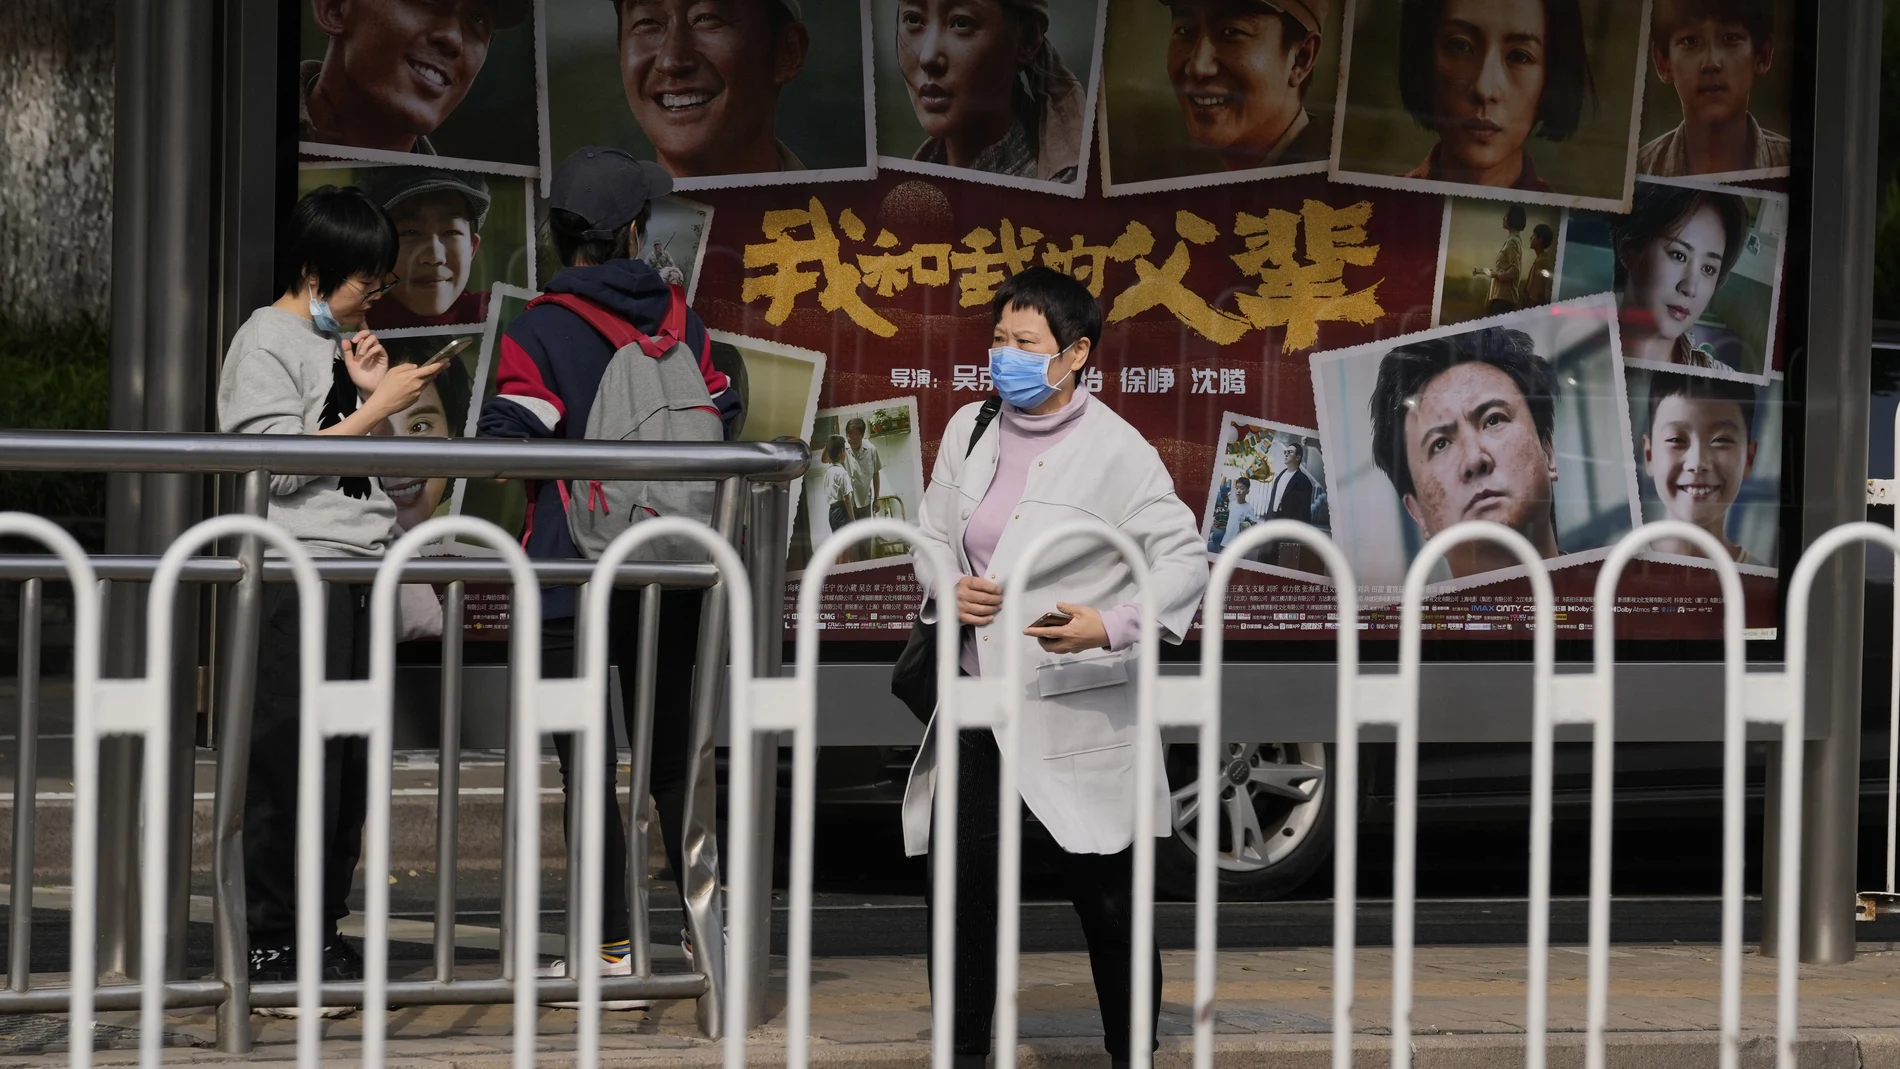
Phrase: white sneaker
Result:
[609,966]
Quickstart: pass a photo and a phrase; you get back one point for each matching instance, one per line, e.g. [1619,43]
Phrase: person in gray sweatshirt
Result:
[303,365]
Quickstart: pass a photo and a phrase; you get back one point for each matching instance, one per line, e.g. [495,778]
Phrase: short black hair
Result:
[1542,232]
[858,422]
[1407,370]
[1243,479]
[1072,311]
[1568,83]
[566,229]
[1755,16]
[335,233]
[834,449]
[1666,384]
[1514,218]
[1658,211]
[1299,449]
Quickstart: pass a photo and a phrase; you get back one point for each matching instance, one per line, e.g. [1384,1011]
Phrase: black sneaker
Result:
[274,963]
[277,963]
[341,962]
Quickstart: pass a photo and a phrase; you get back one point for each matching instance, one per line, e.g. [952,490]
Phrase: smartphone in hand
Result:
[449,351]
[1052,619]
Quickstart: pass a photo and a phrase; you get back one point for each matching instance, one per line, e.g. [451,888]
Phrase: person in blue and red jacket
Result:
[550,365]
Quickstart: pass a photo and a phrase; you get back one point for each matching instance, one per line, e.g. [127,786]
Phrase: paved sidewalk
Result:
[1275,1010]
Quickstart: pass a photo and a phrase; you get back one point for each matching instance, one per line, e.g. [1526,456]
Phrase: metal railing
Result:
[754,481]
[1774,698]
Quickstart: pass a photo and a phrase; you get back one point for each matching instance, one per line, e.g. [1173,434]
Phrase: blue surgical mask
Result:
[1022,377]
[320,315]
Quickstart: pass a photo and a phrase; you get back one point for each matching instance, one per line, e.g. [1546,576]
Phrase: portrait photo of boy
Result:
[439,216]
[1712,52]
[1701,462]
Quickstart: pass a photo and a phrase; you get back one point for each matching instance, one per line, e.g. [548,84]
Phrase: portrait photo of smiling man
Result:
[1522,421]
[717,92]
[1215,91]
[390,75]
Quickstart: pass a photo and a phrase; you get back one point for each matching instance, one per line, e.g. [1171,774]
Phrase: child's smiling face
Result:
[1698,452]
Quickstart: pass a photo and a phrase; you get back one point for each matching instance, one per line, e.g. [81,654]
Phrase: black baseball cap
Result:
[607,188]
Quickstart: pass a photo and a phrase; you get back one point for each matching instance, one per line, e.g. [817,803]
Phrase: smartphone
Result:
[1052,619]
[450,350]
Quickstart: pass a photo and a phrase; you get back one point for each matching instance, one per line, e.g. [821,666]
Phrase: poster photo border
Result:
[866,92]
[820,363]
[1318,579]
[1444,254]
[1604,305]
[485,353]
[1765,386]
[699,253]
[909,401]
[1076,190]
[1775,309]
[491,340]
[1501,193]
[1205,180]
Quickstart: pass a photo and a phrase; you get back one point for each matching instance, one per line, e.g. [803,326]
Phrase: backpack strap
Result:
[618,332]
[984,417]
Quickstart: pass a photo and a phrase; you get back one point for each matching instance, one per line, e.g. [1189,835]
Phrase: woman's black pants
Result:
[1100,885]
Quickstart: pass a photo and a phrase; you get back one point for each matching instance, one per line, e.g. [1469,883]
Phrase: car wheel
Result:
[1275,803]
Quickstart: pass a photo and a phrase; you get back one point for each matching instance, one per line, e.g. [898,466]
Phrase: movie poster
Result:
[1373,266]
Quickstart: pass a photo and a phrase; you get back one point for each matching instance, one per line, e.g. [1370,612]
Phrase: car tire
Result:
[1287,788]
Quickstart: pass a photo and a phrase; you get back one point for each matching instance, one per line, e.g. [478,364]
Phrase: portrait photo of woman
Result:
[993,90]
[1490,94]
[1673,251]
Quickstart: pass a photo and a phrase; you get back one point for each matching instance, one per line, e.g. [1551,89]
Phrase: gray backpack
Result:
[654,390]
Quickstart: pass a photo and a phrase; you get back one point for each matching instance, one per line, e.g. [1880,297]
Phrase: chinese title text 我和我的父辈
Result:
[804,251]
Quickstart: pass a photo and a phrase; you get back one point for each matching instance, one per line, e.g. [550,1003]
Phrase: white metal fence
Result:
[769,706]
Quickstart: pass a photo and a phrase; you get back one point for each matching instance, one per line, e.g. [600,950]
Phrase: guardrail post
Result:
[1591,699]
[237,693]
[1393,700]
[705,912]
[764,705]
[1194,701]
[25,792]
[767,528]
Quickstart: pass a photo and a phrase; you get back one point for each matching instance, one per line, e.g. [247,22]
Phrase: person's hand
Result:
[978,600]
[367,361]
[1084,631]
[399,385]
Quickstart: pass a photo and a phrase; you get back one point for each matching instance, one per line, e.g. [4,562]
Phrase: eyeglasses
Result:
[373,294]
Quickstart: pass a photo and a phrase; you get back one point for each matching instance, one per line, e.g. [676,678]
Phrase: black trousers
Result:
[270,797]
[672,731]
[1100,885]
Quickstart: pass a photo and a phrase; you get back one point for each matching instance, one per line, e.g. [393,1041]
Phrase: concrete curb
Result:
[1834,1049]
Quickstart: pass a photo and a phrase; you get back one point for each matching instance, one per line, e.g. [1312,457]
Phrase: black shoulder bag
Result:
[914,676]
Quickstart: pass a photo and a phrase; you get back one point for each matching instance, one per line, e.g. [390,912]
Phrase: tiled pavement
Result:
[1275,1010]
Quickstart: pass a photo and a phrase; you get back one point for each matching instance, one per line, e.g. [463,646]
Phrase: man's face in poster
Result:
[1473,451]
[1713,65]
[437,244]
[1235,74]
[1290,457]
[702,78]
[407,64]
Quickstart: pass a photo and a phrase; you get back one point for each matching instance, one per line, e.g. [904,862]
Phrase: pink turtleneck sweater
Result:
[1026,437]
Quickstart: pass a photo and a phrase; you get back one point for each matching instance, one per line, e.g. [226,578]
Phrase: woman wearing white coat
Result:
[1054,456]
